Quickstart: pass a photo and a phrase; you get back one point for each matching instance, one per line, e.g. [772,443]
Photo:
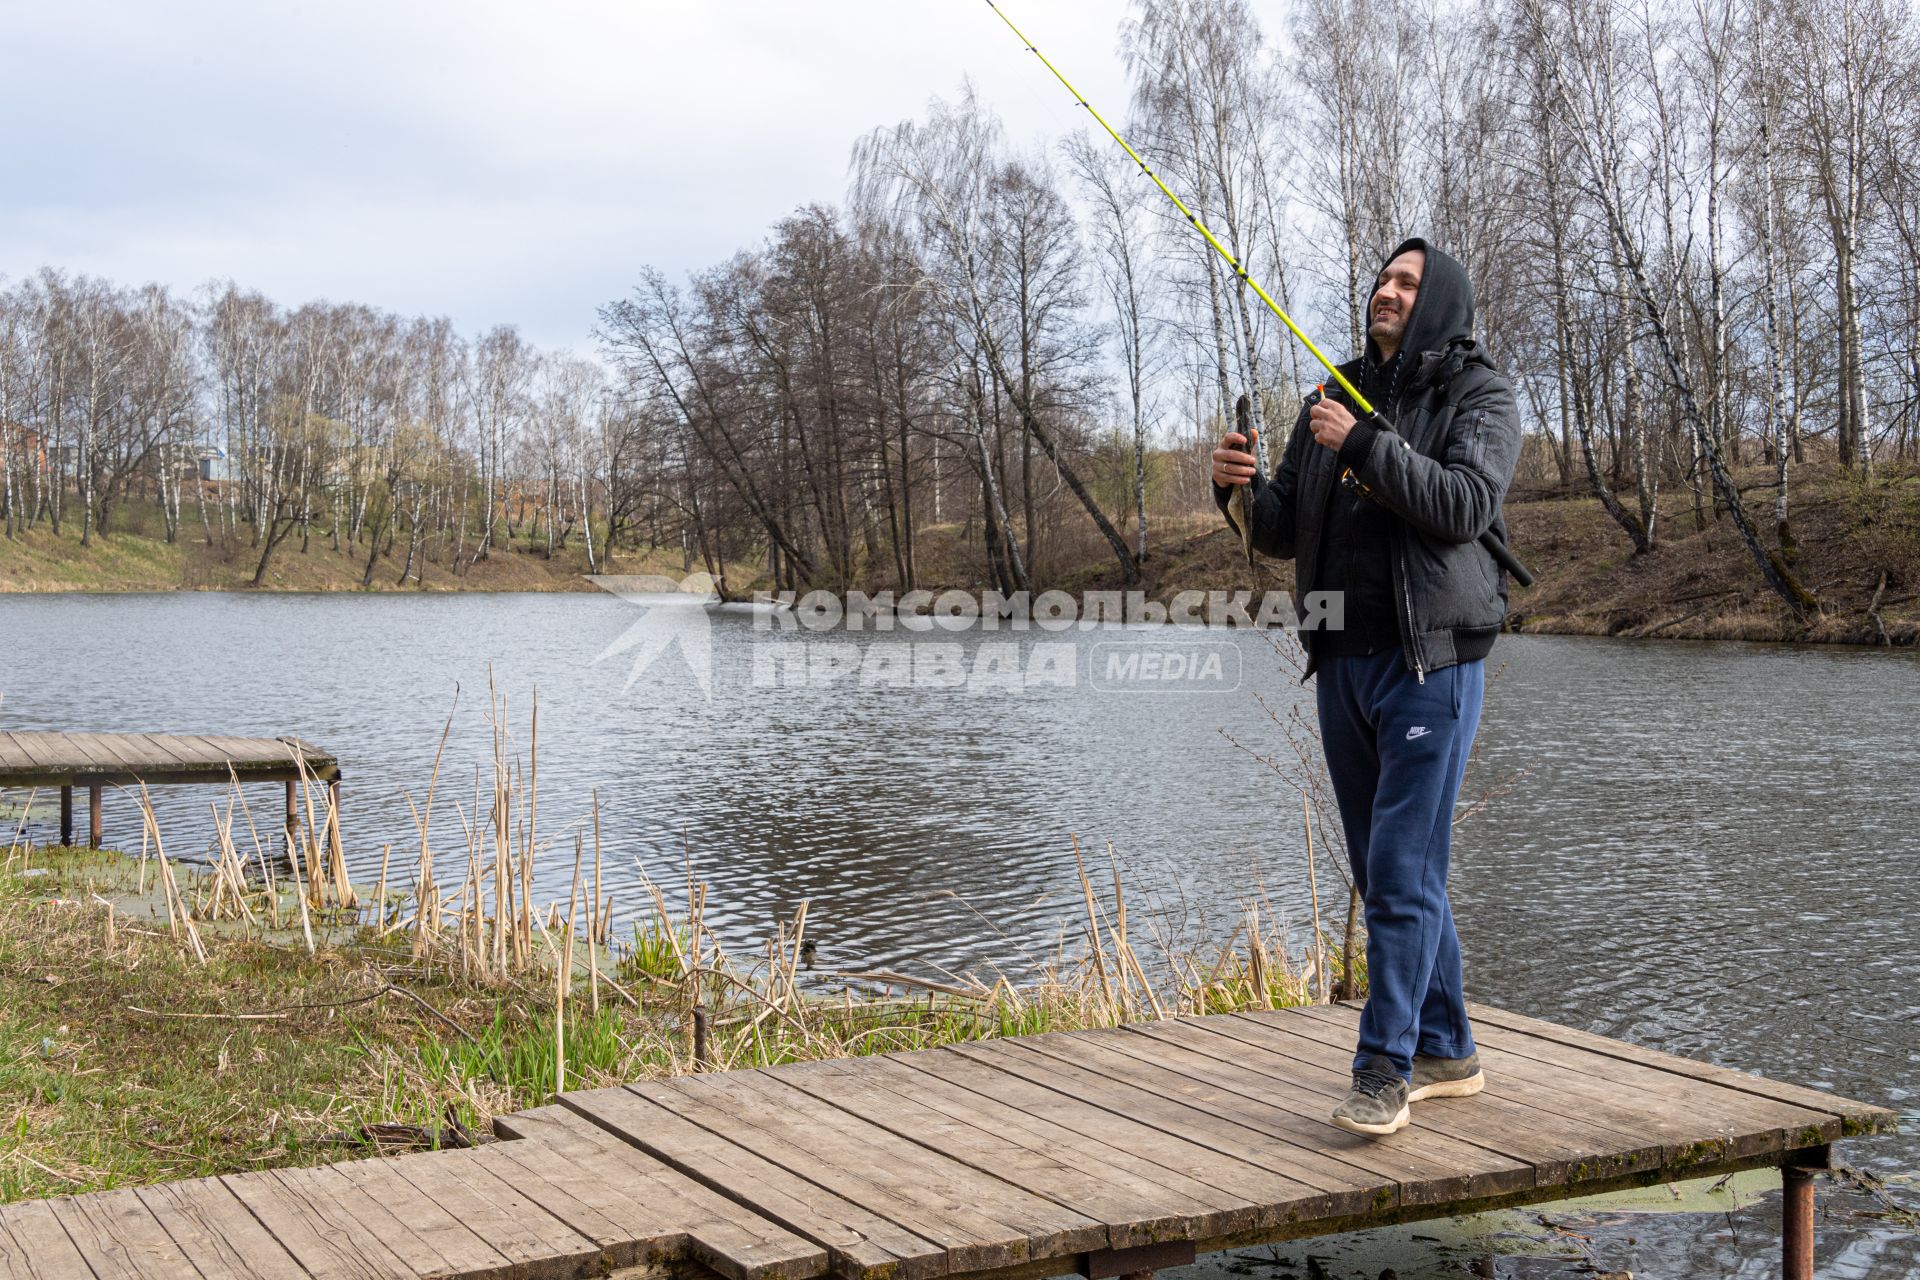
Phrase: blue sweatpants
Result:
[1396,750]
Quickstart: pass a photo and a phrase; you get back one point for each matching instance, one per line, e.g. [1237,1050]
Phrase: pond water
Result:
[1707,848]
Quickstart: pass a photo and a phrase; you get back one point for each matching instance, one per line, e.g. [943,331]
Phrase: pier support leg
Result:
[1796,1210]
[66,815]
[93,815]
[293,816]
[1138,1263]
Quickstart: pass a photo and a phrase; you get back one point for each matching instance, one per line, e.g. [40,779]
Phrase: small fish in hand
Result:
[1240,501]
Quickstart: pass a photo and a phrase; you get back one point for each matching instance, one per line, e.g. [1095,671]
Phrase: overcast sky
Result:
[496,161]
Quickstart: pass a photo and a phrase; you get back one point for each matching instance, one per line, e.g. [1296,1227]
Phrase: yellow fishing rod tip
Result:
[1198,225]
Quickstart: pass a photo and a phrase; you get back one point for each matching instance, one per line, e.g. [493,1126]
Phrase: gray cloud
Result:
[495,161]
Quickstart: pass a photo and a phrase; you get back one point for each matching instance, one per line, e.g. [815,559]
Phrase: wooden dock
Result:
[1102,1153]
[96,761]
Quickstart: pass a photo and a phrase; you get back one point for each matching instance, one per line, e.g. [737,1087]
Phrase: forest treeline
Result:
[1694,226]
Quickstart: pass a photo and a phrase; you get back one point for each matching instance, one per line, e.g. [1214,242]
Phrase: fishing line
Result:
[1359,400]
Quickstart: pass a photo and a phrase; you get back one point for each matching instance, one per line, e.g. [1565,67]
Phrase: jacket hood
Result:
[1440,326]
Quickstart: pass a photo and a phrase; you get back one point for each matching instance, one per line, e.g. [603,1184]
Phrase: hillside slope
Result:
[1858,545]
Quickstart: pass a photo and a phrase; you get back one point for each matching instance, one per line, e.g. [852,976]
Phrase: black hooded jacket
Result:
[1440,476]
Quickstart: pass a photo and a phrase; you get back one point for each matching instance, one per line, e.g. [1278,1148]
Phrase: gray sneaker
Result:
[1446,1077]
[1377,1104]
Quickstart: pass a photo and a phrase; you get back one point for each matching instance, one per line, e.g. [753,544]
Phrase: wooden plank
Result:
[1310,1150]
[25,762]
[233,746]
[1797,1125]
[611,1192]
[1857,1118]
[980,1222]
[1330,1185]
[584,1199]
[860,1244]
[206,749]
[215,1230]
[1151,1155]
[1698,1122]
[39,751]
[1166,1135]
[246,753]
[119,1238]
[42,1249]
[13,756]
[366,1220]
[16,1262]
[1326,1069]
[225,748]
[1561,1148]
[113,747]
[1132,1209]
[440,1227]
[1041,1117]
[91,748]
[985,1181]
[554,1124]
[541,1246]
[243,749]
[1050,1228]
[329,1244]
[1439,1169]
[168,751]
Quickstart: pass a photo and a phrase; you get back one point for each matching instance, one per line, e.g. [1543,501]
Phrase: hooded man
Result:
[1401,666]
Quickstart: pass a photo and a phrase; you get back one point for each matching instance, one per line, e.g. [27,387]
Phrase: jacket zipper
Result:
[1413,634]
[1406,597]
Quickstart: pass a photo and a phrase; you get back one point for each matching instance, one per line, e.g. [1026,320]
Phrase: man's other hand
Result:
[1330,423]
[1232,464]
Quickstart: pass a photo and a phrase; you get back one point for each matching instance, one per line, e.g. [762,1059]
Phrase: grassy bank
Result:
[1856,546]
[127,1059]
[134,559]
[137,557]
[142,1041]
[1854,541]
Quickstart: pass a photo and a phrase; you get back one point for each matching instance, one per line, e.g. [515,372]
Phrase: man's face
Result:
[1392,301]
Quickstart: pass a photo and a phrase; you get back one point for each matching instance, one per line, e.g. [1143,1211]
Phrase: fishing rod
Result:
[1368,414]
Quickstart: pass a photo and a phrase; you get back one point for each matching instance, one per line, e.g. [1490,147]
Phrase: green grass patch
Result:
[128,1059]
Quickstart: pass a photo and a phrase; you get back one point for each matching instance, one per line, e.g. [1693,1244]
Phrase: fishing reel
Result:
[1348,480]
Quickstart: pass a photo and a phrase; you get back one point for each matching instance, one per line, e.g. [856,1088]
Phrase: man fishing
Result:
[1394,520]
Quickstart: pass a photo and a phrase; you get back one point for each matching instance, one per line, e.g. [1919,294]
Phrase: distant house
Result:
[22,439]
[213,464]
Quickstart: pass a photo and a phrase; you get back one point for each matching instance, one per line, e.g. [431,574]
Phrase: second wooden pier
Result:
[96,761]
